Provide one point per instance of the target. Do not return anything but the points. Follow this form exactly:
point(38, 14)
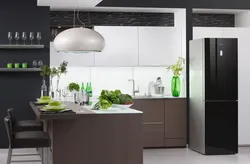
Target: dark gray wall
point(17, 89)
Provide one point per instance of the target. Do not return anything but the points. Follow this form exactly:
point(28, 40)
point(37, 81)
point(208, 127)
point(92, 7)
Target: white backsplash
point(112, 78)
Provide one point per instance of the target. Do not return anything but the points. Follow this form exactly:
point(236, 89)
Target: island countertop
point(92, 137)
point(77, 112)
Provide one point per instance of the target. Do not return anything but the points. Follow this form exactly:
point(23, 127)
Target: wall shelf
point(20, 70)
point(13, 46)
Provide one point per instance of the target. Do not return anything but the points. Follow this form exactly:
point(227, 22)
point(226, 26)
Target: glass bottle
point(82, 89)
point(51, 89)
point(176, 86)
point(44, 89)
point(87, 88)
point(90, 90)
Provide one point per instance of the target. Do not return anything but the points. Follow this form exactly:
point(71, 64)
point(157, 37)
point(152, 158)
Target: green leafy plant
point(45, 71)
point(107, 98)
point(74, 87)
point(62, 69)
point(178, 67)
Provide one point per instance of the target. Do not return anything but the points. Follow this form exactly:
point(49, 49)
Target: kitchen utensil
point(34, 63)
point(17, 37)
point(122, 106)
point(10, 37)
point(39, 37)
point(31, 37)
point(17, 65)
point(159, 90)
point(24, 37)
point(9, 65)
point(24, 65)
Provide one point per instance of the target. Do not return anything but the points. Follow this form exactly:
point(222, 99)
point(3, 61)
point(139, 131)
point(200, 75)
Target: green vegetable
point(96, 106)
point(105, 104)
point(125, 99)
point(74, 86)
point(54, 103)
point(107, 98)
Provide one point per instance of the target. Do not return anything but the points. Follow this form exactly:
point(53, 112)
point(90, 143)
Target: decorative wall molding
point(214, 20)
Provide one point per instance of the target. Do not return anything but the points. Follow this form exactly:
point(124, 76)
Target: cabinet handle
point(152, 123)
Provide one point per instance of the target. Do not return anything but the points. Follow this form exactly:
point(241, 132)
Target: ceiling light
point(79, 40)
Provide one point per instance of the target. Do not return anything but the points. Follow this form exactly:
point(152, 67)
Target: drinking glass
point(24, 37)
point(40, 63)
point(65, 93)
point(31, 37)
point(34, 63)
point(17, 37)
point(39, 37)
point(10, 37)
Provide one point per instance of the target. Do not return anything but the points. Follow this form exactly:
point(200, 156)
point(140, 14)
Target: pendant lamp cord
point(78, 14)
point(74, 20)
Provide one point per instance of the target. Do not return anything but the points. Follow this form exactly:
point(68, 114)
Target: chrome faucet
point(134, 91)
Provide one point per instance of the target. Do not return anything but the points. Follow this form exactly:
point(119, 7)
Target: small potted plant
point(74, 88)
point(176, 69)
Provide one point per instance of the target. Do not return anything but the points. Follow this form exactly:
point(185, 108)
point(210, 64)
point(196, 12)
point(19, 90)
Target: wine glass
point(17, 37)
point(31, 37)
point(24, 37)
point(65, 93)
point(34, 63)
point(39, 37)
point(40, 63)
point(10, 37)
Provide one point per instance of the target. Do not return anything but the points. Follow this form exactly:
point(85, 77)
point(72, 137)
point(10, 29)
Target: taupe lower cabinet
point(164, 122)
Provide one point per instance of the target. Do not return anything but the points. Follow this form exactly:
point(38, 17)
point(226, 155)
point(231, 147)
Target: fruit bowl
point(123, 106)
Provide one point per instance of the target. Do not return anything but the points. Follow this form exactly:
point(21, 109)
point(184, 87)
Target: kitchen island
point(88, 137)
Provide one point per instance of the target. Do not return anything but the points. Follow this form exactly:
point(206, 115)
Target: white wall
point(243, 35)
point(112, 78)
point(180, 22)
point(242, 19)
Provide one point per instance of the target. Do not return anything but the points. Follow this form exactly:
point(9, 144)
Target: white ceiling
point(89, 5)
point(68, 4)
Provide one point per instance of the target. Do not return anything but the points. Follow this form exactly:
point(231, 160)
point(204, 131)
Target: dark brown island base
point(89, 137)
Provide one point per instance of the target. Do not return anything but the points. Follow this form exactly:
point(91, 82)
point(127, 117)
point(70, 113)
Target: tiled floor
point(172, 156)
point(186, 156)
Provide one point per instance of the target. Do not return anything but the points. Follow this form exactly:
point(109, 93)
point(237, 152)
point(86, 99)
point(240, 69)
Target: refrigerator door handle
point(220, 100)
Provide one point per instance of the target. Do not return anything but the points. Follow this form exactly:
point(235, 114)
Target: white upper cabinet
point(121, 46)
point(73, 59)
point(159, 46)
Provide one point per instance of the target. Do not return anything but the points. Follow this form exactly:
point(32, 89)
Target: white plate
point(121, 106)
point(65, 110)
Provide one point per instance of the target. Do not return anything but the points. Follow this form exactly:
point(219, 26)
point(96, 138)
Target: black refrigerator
point(213, 65)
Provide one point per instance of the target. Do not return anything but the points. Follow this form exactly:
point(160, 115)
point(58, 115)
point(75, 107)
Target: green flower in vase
point(176, 83)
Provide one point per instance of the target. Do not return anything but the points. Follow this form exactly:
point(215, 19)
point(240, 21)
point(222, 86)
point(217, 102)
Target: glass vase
point(44, 89)
point(176, 86)
point(51, 89)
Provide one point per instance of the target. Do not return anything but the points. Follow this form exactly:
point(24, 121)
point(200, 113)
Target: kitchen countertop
point(157, 97)
point(79, 111)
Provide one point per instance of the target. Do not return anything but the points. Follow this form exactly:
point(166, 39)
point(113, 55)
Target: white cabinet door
point(159, 46)
point(121, 46)
point(73, 59)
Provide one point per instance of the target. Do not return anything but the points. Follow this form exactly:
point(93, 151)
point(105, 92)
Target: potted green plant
point(74, 88)
point(176, 69)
